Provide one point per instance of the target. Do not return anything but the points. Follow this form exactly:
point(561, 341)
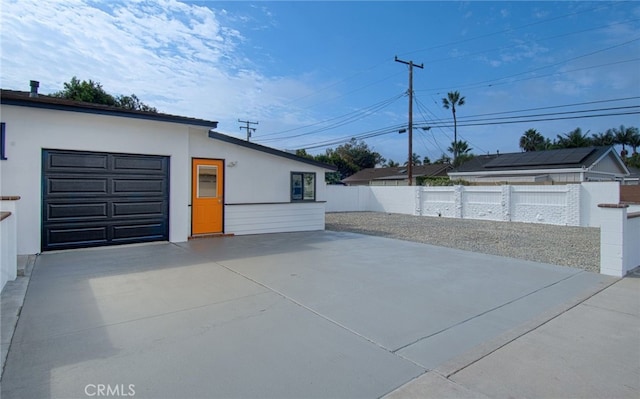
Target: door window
point(207, 181)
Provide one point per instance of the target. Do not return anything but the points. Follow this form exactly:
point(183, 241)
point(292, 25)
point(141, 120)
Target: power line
point(394, 129)
point(554, 107)
point(506, 119)
point(340, 121)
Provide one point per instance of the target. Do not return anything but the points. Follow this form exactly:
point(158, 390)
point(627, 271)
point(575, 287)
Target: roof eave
point(616, 156)
point(269, 150)
point(98, 109)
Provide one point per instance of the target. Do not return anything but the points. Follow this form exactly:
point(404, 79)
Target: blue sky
point(314, 74)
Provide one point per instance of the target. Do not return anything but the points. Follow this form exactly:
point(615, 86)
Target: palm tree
point(606, 139)
point(415, 160)
point(623, 136)
point(463, 150)
point(634, 141)
point(459, 147)
point(574, 139)
point(444, 158)
point(531, 140)
point(453, 98)
point(391, 164)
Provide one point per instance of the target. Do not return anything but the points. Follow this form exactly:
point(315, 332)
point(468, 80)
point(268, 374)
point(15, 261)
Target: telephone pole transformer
point(248, 128)
point(410, 130)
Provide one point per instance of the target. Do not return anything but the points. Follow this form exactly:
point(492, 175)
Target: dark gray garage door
point(94, 199)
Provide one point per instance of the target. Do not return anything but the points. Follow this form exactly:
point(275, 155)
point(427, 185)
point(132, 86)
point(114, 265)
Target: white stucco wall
point(257, 189)
point(253, 176)
point(30, 130)
point(401, 199)
point(619, 238)
point(257, 177)
point(594, 193)
point(347, 198)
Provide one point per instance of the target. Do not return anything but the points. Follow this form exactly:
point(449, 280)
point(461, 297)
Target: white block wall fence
point(567, 205)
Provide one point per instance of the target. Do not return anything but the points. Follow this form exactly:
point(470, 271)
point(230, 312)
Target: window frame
point(3, 138)
point(302, 175)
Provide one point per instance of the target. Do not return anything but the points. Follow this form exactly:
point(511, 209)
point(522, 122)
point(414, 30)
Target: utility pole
point(410, 160)
point(248, 128)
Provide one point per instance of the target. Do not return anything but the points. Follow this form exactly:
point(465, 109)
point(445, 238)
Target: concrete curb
point(11, 301)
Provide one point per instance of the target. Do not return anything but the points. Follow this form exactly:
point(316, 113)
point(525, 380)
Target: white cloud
point(179, 57)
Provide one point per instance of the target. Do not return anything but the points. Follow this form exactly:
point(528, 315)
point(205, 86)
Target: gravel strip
point(577, 247)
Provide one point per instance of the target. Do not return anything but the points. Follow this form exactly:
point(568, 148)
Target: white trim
point(620, 161)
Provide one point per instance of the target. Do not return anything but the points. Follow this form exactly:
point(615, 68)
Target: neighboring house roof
point(634, 173)
point(22, 98)
point(561, 159)
point(396, 173)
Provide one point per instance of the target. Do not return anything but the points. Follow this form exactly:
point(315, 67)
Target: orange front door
point(207, 196)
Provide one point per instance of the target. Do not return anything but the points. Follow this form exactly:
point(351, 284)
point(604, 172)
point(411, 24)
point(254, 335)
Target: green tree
point(531, 140)
point(349, 158)
point(623, 135)
point(452, 100)
point(444, 158)
point(391, 164)
point(463, 150)
point(415, 160)
point(133, 102)
point(93, 92)
point(426, 160)
point(574, 139)
point(86, 91)
point(634, 141)
point(303, 153)
point(459, 147)
point(633, 161)
point(603, 139)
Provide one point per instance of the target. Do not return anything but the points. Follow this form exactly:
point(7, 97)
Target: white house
point(568, 165)
point(92, 175)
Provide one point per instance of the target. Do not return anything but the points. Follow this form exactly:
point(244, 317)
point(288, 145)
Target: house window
point(303, 186)
point(207, 181)
point(3, 155)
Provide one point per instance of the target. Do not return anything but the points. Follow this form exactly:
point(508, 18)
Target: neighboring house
point(395, 176)
point(92, 175)
point(634, 176)
point(570, 165)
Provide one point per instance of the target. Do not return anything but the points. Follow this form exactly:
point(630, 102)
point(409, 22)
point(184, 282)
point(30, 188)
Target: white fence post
point(457, 197)
point(573, 205)
point(506, 203)
point(612, 232)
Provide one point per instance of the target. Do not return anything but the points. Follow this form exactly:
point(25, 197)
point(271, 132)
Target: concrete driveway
point(319, 314)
